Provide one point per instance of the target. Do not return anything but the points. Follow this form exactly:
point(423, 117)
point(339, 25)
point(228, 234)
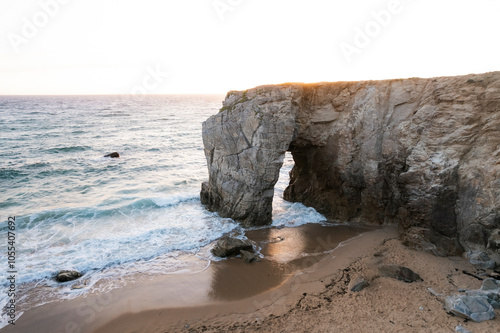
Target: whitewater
point(110, 217)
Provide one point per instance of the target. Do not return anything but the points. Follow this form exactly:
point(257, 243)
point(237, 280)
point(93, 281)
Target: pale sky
point(212, 46)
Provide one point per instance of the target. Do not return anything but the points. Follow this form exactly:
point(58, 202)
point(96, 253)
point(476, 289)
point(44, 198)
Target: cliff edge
point(421, 153)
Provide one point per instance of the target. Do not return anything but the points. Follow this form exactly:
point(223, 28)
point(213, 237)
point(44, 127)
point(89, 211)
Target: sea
point(108, 218)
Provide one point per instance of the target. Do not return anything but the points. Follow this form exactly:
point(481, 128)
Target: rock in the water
point(227, 246)
point(410, 152)
point(64, 276)
point(112, 155)
point(249, 257)
point(358, 283)
point(399, 272)
point(475, 308)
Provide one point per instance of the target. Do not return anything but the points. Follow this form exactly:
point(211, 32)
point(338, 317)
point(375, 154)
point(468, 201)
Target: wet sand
point(317, 298)
point(169, 302)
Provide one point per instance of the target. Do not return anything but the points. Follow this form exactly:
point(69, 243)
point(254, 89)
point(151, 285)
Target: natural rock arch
point(422, 153)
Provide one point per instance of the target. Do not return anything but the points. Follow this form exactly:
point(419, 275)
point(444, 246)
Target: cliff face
point(422, 153)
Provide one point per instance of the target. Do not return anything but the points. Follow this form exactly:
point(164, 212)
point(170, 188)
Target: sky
point(213, 46)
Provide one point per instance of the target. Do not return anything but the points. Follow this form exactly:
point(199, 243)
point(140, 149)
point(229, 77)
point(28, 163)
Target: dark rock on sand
point(227, 246)
point(112, 155)
point(358, 283)
point(249, 257)
point(64, 276)
point(398, 272)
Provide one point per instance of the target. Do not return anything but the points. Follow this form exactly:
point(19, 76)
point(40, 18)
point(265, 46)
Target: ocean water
point(109, 218)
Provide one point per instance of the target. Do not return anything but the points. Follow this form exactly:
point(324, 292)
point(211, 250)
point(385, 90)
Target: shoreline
point(286, 251)
point(276, 301)
point(308, 292)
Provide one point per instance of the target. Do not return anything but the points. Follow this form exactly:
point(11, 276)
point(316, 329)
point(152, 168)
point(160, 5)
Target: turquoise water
point(107, 218)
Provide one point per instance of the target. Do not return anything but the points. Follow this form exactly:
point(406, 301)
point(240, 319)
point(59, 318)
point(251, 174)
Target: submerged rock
point(112, 155)
point(64, 276)
point(399, 272)
point(475, 308)
point(227, 246)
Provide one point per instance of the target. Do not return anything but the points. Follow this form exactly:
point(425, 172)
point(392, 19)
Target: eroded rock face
point(422, 153)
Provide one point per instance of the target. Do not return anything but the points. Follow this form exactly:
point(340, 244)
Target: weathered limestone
point(423, 153)
point(245, 144)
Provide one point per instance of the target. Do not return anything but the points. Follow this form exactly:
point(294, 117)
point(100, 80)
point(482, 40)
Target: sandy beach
point(300, 285)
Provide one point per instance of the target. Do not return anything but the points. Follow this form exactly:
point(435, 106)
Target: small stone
point(399, 272)
point(277, 239)
point(433, 292)
point(358, 283)
point(461, 329)
point(78, 286)
point(112, 155)
point(475, 308)
point(249, 257)
point(64, 276)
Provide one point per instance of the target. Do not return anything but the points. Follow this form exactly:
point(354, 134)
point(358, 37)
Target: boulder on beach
point(112, 155)
point(64, 276)
point(399, 272)
point(490, 290)
point(227, 246)
point(474, 308)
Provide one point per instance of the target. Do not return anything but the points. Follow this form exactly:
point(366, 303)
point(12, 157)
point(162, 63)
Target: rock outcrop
point(422, 153)
point(112, 155)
